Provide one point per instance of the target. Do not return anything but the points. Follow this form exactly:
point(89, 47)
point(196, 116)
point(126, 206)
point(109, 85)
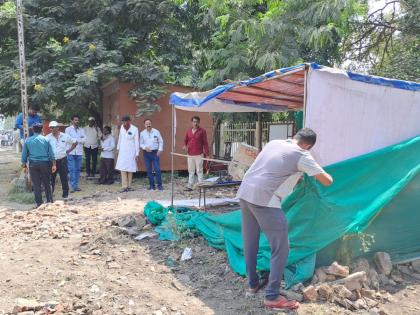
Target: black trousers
point(91, 154)
point(63, 171)
point(41, 175)
point(106, 171)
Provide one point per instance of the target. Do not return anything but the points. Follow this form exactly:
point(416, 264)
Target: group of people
point(273, 167)
point(62, 153)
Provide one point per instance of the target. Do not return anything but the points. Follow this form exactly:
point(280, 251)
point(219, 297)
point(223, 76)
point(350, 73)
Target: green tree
point(73, 47)
point(386, 41)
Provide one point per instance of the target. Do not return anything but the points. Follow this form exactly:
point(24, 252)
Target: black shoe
point(77, 189)
point(151, 188)
point(124, 190)
point(160, 188)
point(188, 189)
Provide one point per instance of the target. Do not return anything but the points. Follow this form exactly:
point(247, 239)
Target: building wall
point(116, 104)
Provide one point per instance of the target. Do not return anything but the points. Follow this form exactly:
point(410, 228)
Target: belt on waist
point(39, 162)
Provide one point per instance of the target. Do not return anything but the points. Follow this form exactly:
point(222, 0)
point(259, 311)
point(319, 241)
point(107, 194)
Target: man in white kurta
point(128, 152)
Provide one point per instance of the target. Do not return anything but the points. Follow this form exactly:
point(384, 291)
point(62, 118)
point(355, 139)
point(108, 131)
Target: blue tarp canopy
point(275, 91)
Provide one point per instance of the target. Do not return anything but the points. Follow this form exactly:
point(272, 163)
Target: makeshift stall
point(368, 140)
point(276, 91)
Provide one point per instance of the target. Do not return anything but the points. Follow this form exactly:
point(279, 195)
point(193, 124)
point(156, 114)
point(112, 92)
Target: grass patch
point(19, 196)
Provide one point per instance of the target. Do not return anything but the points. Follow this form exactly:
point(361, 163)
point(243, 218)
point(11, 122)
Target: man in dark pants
point(274, 165)
point(59, 142)
point(38, 151)
point(151, 143)
point(107, 157)
point(93, 135)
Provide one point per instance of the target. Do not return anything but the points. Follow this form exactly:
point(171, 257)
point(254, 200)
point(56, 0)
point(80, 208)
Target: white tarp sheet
point(195, 202)
point(353, 118)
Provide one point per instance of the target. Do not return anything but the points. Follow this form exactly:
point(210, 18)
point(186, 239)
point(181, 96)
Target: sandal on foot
point(261, 284)
point(282, 303)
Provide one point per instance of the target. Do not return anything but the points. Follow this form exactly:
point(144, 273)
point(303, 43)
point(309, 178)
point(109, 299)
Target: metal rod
point(305, 92)
point(259, 132)
point(211, 160)
point(22, 67)
point(172, 156)
point(203, 158)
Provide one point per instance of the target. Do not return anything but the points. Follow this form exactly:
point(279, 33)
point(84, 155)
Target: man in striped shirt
point(274, 165)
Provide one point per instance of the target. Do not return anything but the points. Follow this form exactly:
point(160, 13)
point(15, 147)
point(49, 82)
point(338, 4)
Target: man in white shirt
point(62, 145)
point(151, 143)
point(93, 135)
point(106, 169)
point(74, 157)
point(128, 152)
point(273, 166)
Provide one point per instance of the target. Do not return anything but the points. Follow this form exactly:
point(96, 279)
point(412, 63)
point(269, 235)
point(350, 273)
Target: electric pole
point(22, 67)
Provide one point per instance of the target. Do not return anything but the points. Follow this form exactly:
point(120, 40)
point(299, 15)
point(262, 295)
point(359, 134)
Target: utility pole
point(22, 66)
point(23, 87)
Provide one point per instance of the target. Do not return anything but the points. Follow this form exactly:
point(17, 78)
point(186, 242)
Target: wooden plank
point(290, 82)
point(250, 90)
point(282, 87)
point(245, 98)
point(294, 78)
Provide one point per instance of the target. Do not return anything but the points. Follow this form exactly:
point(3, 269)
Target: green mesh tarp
point(377, 187)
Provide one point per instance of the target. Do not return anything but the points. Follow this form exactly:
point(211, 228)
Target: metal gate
point(228, 136)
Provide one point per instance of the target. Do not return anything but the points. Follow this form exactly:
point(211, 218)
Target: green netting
point(318, 215)
point(298, 120)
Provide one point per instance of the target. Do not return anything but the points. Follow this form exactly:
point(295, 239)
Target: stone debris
point(321, 275)
point(146, 235)
point(383, 263)
point(23, 305)
point(358, 290)
point(325, 291)
point(337, 270)
point(416, 265)
point(343, 292)
point(354, 281)
point(310, 294)
point(32, 306)
point(361, 264)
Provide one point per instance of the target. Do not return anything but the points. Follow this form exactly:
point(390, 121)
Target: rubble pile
point(364, 288)
point(49, 221)
point(34, 307)
point(134, 226)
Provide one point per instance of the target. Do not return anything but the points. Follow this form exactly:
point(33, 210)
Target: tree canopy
point(74, 47)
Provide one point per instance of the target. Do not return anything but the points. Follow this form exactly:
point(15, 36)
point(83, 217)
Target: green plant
point(361, 240)
point(17, 195)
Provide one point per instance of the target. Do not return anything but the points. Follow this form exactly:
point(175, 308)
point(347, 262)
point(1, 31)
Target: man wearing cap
point(62, 145)
point(93, 136)
point(128, 152)
point(74, 157)
point(37, 150)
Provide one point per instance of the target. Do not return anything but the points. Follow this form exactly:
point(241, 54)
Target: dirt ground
point(71, 253)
